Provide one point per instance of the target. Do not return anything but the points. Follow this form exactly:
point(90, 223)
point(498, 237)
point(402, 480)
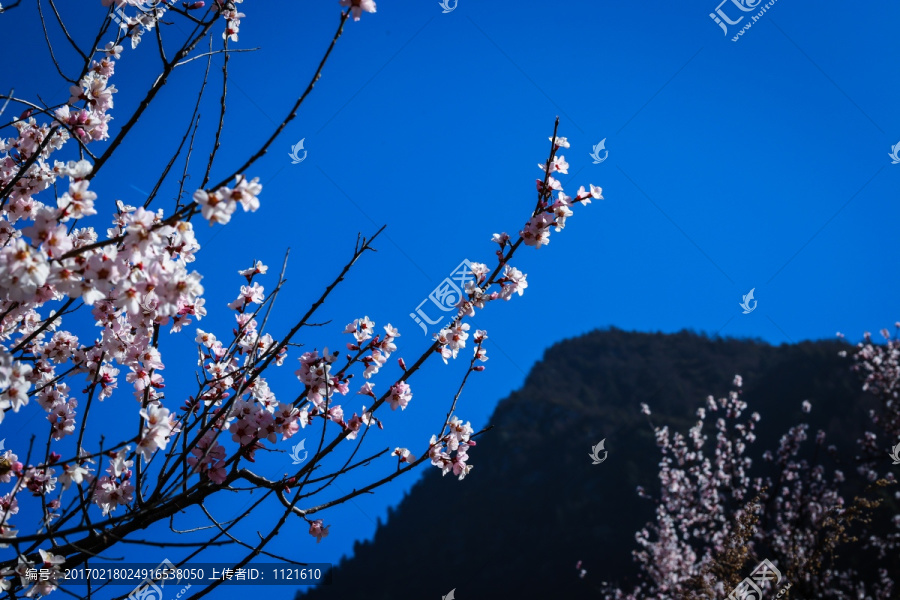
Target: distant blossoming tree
point(82, 311)
point(715, 522)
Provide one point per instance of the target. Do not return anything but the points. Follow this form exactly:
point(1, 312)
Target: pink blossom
point(400, 395)
point(357, 6)
point(318, 530)
point(404, 455)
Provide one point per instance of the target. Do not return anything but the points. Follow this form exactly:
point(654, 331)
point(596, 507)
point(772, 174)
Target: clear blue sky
point(761, 163)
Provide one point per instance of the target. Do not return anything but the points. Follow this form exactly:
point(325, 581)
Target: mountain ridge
point(535, 504)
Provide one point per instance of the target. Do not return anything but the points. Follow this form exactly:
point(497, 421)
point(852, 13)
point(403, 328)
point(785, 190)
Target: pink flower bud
point(402, 364)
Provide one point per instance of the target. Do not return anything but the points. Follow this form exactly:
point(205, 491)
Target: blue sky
point(761, 163)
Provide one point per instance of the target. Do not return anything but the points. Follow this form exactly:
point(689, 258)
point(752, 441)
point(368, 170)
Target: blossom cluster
point(705, 494)
point(554, 214)
point(457, 441)
point(115, 488)
point(549, 212)
point(217, 206)
point(879, 366)
point(135, 282)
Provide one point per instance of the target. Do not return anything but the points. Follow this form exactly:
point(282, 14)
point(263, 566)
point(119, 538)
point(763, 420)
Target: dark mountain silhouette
point(534, 504)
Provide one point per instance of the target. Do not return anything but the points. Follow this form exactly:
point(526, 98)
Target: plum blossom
point(40, 481)
point(400, 395)
point(250, 294)
point(458, 440)
point(207, 339)
point(159, 428)
point(208, 457)
point(74, 473)
point(23, 270)
point(404, 455)
point(361, 329)
point(706, 490)
point(288, 420)
point(9, 466)
point(595, 192)
point(111, 493)
point(357, 6)
point(318, 529)
point(62, 419)
point(451, 339)
point(218, 206)
point(232, 24)
point(51, 573)
point(513, 282)
point(131, 267)
point(258, 268)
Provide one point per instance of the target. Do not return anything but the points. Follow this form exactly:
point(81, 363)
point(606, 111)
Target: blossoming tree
point(715, 519)
point(82, 312)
